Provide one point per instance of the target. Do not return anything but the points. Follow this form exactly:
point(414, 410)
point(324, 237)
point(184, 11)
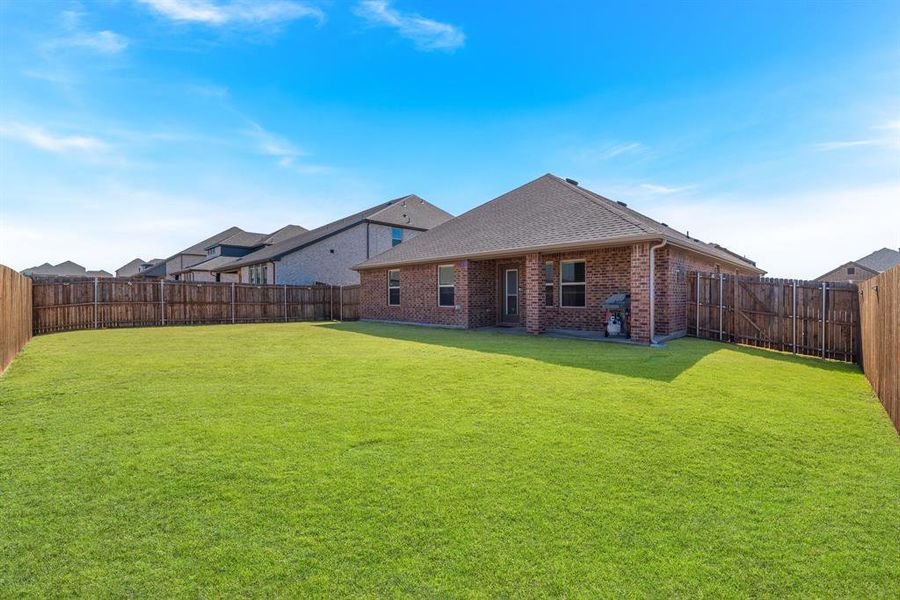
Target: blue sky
point(136, 128)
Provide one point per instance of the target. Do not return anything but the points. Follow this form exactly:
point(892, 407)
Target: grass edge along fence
point(68, 304)
point(803, 317)
point(880, 357)
point(15, 314)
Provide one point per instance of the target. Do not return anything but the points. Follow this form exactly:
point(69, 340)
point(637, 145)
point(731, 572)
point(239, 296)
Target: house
point(63, 269)
point(130, 268)
point(863, 268)
point(544, 256)
point(225, 251)
point(328, 253)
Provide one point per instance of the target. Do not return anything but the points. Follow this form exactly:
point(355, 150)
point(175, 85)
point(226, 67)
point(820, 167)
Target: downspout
point(653, 250)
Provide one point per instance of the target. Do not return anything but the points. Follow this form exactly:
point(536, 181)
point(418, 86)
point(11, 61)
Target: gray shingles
point(545, 213)
point(880, 260)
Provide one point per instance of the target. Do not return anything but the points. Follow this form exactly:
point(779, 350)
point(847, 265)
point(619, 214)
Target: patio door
point(509, 307)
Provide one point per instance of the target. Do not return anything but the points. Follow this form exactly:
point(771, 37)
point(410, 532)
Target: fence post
point(721, 304)
point(232, 303)
point(331, 302)
point(162, 301)
point(285, 303)
point(824, 292)
point(96, 285)
point(794, 316)
point(341, 302)
point(698, 303)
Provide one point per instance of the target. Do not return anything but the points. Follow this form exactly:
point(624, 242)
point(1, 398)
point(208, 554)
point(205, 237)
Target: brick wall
point(418, 296)
point(479, 297)
point(607, 271)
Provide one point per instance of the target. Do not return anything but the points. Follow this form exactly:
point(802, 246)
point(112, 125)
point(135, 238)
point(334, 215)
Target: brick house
point(544, 256)
point(863, 268)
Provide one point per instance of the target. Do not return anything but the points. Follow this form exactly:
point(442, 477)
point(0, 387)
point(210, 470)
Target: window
point(445, 286)
point(394, 287)
point(265, 275)
point(851, 270)
point(572, 283)
point(396, 236)
point(548, 283)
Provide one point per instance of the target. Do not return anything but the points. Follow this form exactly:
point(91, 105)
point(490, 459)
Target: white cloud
point(427, 34)
point(654, 188)
point(273, 145)
point(790, 235)
point(237, 12)
point(600, 152)
point(39, 138)
point(890, 140)
point(875, 142)
point(105, 42)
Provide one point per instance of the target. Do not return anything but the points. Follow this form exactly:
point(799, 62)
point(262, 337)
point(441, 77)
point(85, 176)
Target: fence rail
point(803, 317)
point(15, 314)
point(105, 303)
point(880, 317)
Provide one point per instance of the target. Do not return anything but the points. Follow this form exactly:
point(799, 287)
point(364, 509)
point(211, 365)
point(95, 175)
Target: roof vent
point(620, 203)
point(572, 181)
point(664, 224)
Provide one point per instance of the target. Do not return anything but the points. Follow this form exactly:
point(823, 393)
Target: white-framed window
point(393, 283)
point(548, 283)
point(572, 284)
point(446, 289)
point(396, 236)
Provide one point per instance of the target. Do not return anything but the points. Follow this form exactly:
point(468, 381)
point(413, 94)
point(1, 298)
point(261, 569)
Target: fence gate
point(803, 317)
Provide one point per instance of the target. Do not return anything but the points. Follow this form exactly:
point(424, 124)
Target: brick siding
point(479, 297)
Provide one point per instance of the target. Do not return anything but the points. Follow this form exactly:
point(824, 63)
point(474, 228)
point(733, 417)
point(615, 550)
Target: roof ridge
point(608, 204)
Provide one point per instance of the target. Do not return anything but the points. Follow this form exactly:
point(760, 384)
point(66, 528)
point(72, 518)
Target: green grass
point(375, 460)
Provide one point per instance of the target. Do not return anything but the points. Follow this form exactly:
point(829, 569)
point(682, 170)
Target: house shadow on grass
point(643, 362)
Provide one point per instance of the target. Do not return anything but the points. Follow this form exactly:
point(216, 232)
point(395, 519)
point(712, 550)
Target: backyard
point(358, 459)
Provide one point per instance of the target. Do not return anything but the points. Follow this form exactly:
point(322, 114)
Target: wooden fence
point(880, 317)
point(100, 303)
point(15, 314)
point(803, 317)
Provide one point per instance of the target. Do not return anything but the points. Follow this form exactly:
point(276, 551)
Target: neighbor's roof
point(207, 265)
point(200, 247)
point(880, 260)
point(548, 213)
point(392, 212)
point(241, 239)
point(158, 270)
point(137, 262)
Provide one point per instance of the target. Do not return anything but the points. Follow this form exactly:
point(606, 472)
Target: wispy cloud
point(587, 153)
point(273, 145)
point(891, 140)
point(654, 188)
point(285, 152)
point(248, 12)
point(39, 138)
point(427, 34)
point(105, 42)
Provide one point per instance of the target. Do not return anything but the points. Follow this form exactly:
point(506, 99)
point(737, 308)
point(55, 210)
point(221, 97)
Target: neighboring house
point(863, 268)
point(225, 251)
point(131, 268)
point(327, 254)
point(63, 269)
point(544, 256)
point(152, 269)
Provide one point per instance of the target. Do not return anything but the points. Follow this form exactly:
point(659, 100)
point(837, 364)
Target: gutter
point(586, 245)
point(653, 250)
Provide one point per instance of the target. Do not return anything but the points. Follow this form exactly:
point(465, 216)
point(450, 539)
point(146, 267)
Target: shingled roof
point(880, 260)
point(546, 214)
point(392, 212)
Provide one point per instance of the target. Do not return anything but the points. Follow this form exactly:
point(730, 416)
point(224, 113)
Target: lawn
point(373, 460)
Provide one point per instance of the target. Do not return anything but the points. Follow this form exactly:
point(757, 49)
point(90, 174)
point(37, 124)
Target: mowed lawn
point(373, 460)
